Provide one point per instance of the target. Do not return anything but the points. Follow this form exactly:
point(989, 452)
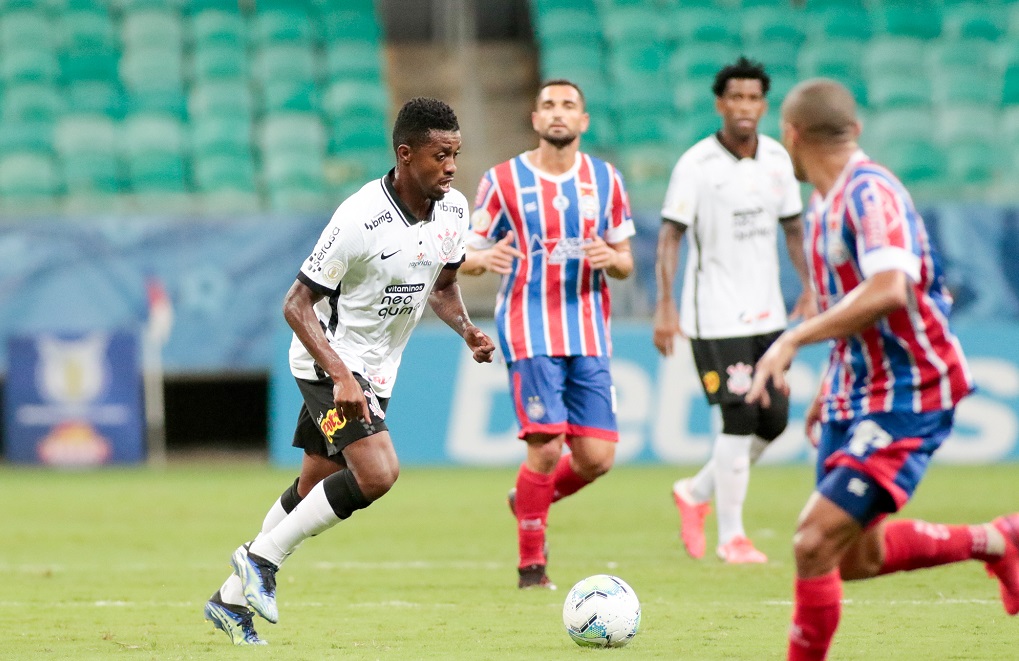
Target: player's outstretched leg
point(258, 576)
point(691, 518)
point(236, 621)
point(1006, 569)
point(532, 498)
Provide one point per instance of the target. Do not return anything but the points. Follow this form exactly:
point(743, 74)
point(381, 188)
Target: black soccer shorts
point(726, 365)
point(323, 430)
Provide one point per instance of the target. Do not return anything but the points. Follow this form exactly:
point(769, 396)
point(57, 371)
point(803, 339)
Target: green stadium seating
point(694, 94)
point(699, 62)
point(906, 20)
point(287, 95)
point(899, 124)
point(87, 30)
point(27, 178)
point(353, 169)
point(357, 132)
point(156, 172)
point(779, 57)
point(96, 96)
point(1010, 85)
point(230, 97)
point(542, 6)
point(26, 136)
point(702, 24)
point(780, 86)
point(152, 29)
point(281, 26)
point(28, 65)
point(893, 54)
point(973, 54)
point(772, 24)
point(89, 65)
point(25, 29)
point(151, 68)
point(353, 61)
point(637, 65)
point(963, 123)
point(569, 25)
point(915, 161)
point(895, 89)
point(578, 62)
point(92, 173)
point(833, 59)
point(347, 97)
point(838, 23)
point(215, 27)
point(976, 21)
point(961, 86)
point(292, 131)
point(147, 133)
point(219, 61)
point(689, 129)
point(217, 172)
point(77, 133)
point(348, 25)
point(629, 25)
point(221, 136)
point(32, 101)
point(971, 160)
point(286, 62)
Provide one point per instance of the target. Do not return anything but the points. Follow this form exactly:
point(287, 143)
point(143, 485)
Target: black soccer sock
point(290, 498)
point(343, 493)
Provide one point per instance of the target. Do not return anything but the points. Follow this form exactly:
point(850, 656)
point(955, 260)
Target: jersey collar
point(718, 138)
point(406, 214)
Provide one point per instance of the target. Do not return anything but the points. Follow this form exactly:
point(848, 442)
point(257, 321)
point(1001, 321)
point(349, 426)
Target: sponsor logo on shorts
point(711, 382)
point(331, 423)
point(740, 377)
point(535, 409)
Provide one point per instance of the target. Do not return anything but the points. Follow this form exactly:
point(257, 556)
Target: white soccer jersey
point(732, 208)
point(375, 264)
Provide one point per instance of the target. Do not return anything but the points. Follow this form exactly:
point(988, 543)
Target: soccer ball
point(601, 611)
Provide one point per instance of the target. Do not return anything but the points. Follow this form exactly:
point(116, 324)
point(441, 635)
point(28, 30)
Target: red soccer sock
point(534, 496)
point(913, 544)
point(565, 480)
point(815, 616)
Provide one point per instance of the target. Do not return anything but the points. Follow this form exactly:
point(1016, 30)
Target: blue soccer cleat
point(258, 577)
point(235, 621)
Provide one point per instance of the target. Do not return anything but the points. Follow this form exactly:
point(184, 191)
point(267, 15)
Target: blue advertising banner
point(446, 409)
point(73, 399)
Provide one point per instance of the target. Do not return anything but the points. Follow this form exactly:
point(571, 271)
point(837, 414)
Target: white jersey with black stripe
point(374, 265)
point(732, 208)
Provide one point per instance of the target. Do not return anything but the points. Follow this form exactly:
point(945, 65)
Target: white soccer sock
point(232, 591)
point(732, 476)
point(757, 446)
point(702, 485)
point(312, 515)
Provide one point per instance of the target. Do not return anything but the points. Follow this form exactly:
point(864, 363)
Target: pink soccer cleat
point(740, 551)
point(691, 518)
point(1006, 569)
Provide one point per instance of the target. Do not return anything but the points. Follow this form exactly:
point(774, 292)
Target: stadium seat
point(96, 96)
point(346, 97)
point(156, 172)
point(25, 29)
point(221, 135)
point(637, 65)
point(28, 65)
point(358, 132)
point(780, 86)
point(152, 29)
point(629, 25)
point(973, 54)
point(772, 24)
point(92, 173)
point(914, 161)
point(899, 124)
point(151, 68)
point(86, 30)
point(895, 89)
point(85, 133)
point(699, 62)
point(154, 133)
point(834, 58)
point(579, 62)
point(281, 26)
point(288, 62)
point(1010, 85)
point(601, 132)
point(967, 123)
point(292, 131)
point(693, 127)
point(976, 21)
point(971, 160)
point(78, 65)
point(285, 96)
point(216, 172)
point(702, 24)
point(215, 27)
point(906, 20)
point(220, 97)
point(29, 136)
point(356, 60)
point(694, 95)
point(342, 24)
point(779, 57)
point(219, 61)
point(960, 86)
point(342, 171)
point(887, 55)
point(32, 101)
point(568, 25)
point(27, 177)
point(838, 23)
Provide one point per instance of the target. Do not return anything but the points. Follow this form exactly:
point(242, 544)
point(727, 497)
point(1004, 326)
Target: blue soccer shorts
point(564, 394)
point(871, 465)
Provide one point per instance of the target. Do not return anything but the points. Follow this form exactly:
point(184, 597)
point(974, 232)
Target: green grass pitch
point(117, 564)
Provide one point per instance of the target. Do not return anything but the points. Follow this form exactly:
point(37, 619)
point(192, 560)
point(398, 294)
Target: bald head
point(822, 110)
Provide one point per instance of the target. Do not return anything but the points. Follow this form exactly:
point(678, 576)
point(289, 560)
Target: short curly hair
point(420, 116)
point(742, 69)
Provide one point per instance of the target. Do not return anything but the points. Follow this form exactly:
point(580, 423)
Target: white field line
point(417, 565)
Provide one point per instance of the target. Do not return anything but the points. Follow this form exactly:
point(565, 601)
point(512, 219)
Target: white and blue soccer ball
point(601, 611)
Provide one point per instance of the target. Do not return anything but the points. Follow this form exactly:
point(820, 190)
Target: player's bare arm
point(666, 321)
point(448, 305)
point(298, 310)
point(806, 304)
point(497, 259)
point(872, 300)
point(615, 258)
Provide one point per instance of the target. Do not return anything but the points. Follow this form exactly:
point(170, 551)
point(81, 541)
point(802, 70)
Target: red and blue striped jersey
point(553, 303)
point(909, 360)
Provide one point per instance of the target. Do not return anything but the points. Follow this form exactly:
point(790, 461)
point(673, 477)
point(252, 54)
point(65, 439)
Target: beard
point(560, 141)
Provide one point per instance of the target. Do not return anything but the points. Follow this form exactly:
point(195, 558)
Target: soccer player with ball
point(895, 376)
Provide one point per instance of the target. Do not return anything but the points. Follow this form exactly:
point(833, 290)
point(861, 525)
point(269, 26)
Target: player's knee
point(739, 419)
point(544, 450)
point(811, 550)
point(377, 483)
point(591, 468)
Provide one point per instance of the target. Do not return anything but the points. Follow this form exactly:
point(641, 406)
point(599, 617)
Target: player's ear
point(404, 154)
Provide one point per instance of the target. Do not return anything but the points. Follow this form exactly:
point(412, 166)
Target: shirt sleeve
point(620, 219)
point(883, 239)
point(340, 245)
point(680, 204)
point(485, 220)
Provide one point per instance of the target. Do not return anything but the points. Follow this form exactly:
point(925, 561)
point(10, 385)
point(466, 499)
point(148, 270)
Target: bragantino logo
point(331, 423)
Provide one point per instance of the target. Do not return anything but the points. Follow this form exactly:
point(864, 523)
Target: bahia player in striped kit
point(895, 376)
point(555, 223)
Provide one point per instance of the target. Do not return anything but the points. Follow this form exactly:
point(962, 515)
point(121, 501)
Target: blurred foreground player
point(895, 376)
point(555, 223)
point(388, 247)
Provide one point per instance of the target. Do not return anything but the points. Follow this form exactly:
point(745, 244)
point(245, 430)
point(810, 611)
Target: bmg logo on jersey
point(449, 208)
point(384, 217)
point(399, 299)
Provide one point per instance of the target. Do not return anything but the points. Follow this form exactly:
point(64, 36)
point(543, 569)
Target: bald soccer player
point(895, 375)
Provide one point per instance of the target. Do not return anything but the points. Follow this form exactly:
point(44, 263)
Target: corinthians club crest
point(446, 245)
